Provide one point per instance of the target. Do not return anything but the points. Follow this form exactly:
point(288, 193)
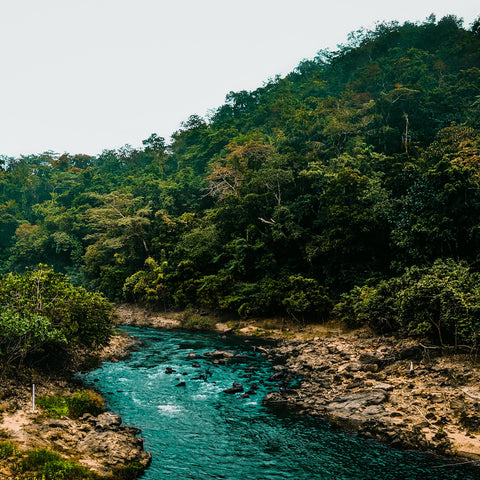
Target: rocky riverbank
point(394, 390)
point(99, 443)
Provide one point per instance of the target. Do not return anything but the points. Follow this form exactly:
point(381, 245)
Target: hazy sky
point(79, 76)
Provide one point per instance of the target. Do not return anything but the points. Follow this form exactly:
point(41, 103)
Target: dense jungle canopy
point(353, 181)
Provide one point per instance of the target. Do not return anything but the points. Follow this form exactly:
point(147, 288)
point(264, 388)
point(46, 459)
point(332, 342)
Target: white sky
point(79, 76)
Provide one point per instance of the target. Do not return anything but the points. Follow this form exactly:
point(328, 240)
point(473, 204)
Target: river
point(197, 431)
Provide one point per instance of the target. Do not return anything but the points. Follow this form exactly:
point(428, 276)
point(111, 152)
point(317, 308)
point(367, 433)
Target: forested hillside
point(353, 181)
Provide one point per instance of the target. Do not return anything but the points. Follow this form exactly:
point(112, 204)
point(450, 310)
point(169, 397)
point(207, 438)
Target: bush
point(73, 406)
point(147, 286)
point(7, 449)
point(130, 471)
point(85, 401)
point(301, 298)
point(41, 311)
point(305, 298)
point(211, 289)
point(55, 406)
point(38, 458)
point(22, 334)
point(51, 466)
point(375, 306)
point(195, 322)
point(441, 302)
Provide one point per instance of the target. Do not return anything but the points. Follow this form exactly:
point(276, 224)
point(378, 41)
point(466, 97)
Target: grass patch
point(7, 450)
point(199, 323)
point(44, 464)
point(193, 321)
point(73, 406)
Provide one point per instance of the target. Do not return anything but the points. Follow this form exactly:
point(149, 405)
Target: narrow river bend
point(197, 431)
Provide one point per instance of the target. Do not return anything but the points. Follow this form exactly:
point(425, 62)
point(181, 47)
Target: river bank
point(392, 390)
point(98, 443)
point(397, 391)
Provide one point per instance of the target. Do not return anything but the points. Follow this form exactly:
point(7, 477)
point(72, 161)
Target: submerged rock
point(236, 388)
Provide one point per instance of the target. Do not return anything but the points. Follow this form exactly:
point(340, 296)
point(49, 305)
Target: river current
point(196, 431)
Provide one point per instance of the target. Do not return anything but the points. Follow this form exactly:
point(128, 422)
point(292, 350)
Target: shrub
point(51, 466)
point(195, 322)
point(41, 311)
point(38, 458)
point(441, 302)
point(85, 401)
point(375, 306)
point(22, 334)
point(305, 298)
point(55, 406)
point(73, 406)
point(301, 298)
point(130, 471)
point(7, 449)
point(211, 289)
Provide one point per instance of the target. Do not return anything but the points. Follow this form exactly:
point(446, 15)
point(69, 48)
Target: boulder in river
point(236, 388)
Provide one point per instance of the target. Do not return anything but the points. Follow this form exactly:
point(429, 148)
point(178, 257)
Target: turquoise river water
point(197, 431)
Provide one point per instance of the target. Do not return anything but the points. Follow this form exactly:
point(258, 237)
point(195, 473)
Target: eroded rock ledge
point(384, 388)
point(99, 443)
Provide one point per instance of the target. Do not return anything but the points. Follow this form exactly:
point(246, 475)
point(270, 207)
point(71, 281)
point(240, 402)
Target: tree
point(148, 286)
point(42, 314)
point(440, 301)
point(118, 239)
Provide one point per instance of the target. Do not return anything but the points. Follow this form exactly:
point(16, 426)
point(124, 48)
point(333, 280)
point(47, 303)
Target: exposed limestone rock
point(98, 443)
point(364, 383)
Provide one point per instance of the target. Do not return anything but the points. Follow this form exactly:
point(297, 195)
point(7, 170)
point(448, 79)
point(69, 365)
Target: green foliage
point(46, 465)
point(440, 302)
point(128, 472)
point(23, 334)
point(361, 163)
point(7, 449)
point(147, 286)
point(196, 322)
point(85, 401)
point(306, 298)
point(303, 299)
point(37, 458)
point(41, 313)
point(55, 406)
point(375, 306)
point(73, 406)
